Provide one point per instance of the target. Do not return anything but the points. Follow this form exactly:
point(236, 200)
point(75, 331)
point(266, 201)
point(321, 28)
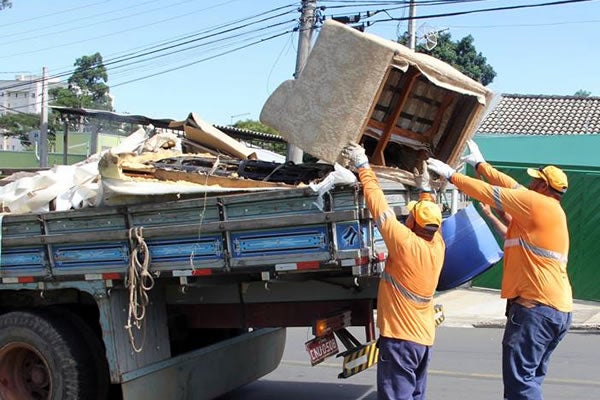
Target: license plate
point(321, 347)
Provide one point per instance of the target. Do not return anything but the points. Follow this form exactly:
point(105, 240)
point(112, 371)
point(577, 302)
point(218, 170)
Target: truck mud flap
point(208, 372)
point(362, 357)
point(438, 315)
point(359, 359)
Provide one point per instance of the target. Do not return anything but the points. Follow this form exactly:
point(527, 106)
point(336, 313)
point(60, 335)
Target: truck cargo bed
point(271, 232)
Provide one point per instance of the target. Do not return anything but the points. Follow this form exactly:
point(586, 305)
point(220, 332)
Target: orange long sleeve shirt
point(412, 270)
point(537, 240)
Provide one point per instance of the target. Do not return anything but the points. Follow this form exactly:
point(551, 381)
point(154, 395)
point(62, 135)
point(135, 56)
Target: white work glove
point(440, 168)
point(355, 154)
point(422, 179)
point(475, 157)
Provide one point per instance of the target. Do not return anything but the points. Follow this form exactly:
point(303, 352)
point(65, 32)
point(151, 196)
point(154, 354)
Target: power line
point(52, 14)
point(154, 52)
point(204, 59)
point(261, 40)
point(130, 56)
point(120, 9)
point(591, 21)
point(453, 14)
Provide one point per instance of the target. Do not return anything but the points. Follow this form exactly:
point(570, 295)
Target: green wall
point(27, 159)
point(78, 151)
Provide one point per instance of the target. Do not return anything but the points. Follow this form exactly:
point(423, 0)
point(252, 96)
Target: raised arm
point(492, 175)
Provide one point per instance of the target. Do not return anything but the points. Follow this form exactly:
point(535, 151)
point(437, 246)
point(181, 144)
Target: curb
point(591, 328)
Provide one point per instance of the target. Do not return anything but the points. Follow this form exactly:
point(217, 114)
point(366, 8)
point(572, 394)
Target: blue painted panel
point(348, 237)
point(280, 241)
point(91, 255)
point(206, 248)
point(21, 261)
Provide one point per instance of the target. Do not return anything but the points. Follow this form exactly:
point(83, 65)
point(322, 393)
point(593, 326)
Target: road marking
point(439, 372)
point(499, 377)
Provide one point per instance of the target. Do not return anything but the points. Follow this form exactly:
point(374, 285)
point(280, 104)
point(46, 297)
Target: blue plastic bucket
point(471, 248)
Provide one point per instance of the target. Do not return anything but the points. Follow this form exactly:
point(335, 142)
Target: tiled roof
point(517, 114)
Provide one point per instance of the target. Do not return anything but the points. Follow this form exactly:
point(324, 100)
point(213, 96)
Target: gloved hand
point(355, 154)
point(422, 179)
point(475, 157)
point(440, 168)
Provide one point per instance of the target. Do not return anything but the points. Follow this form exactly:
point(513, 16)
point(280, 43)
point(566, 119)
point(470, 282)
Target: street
point(466, 364)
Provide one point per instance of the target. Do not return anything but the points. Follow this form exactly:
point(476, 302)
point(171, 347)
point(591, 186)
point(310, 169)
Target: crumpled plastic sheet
point(339, 176)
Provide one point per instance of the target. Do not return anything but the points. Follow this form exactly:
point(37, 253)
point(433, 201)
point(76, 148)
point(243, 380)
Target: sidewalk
point(483, 308)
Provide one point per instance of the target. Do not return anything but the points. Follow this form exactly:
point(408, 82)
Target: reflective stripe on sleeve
point(496, 196)
point(538, 251)
point(389, 213)
point(404, 291)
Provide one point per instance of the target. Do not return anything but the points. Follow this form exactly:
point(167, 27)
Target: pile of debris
point(156, 164)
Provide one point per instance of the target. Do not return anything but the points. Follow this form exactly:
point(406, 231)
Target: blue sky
point(548, 50)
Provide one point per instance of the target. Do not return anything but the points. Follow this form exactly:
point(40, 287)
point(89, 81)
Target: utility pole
point(43, 139)
point(307, 24)
point(411, 24)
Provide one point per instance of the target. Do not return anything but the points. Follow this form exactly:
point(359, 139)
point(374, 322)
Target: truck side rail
point(272, 232)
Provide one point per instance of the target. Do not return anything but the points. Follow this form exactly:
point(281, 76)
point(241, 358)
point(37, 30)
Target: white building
point(23, 94)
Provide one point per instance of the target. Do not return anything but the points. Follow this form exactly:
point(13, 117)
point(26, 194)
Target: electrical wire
point(201, 60)
point(128, 57)
point(260, 40)
point(120, 9)
point(506, 8)
point(53, 14)
point(152, 53)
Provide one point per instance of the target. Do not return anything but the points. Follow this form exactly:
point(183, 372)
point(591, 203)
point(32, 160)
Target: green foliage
point(461, 54)
point(17, 124)
point(90, 77)
point(257, 126)
point(87, 86)
point(20, 125)
point(583, 93)
point(5, 4)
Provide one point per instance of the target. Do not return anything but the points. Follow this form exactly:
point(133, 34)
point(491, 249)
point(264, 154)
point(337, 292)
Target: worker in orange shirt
point(405, 309)
point(535, 279)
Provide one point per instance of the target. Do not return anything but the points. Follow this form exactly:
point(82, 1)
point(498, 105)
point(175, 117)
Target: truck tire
point(95, 352)
point(42, 356)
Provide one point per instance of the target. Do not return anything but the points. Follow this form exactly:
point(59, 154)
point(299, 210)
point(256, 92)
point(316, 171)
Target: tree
point(257, 126)
point(87, 86)
point(5, 4)
point(20, 125)
point(583, 93)
point(461, 54)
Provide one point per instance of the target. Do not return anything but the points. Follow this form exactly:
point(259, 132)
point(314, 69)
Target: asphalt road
point(466, 364)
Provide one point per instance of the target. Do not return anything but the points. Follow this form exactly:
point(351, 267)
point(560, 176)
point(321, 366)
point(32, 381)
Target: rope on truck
point(139, 281)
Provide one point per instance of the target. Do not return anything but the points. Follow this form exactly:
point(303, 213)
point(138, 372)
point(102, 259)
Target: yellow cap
point(554, 176)
point(425, 212)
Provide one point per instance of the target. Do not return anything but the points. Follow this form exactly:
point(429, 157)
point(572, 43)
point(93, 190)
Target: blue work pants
point(402, 369)
point(530, 337)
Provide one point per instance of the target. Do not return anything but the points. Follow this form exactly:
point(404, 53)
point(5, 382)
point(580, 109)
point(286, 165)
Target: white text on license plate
point(321, 347)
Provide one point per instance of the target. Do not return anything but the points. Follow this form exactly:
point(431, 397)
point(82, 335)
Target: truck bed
point(259, 235)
